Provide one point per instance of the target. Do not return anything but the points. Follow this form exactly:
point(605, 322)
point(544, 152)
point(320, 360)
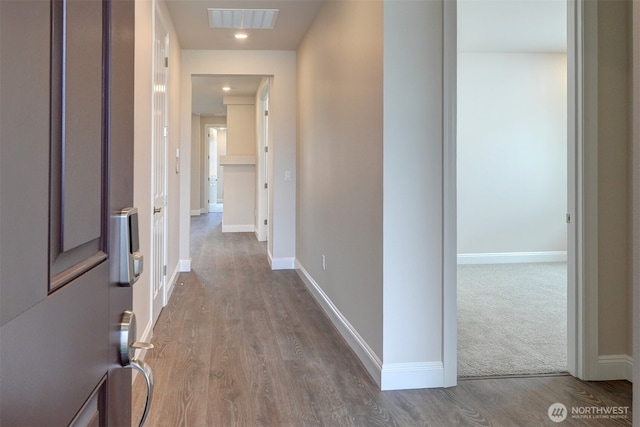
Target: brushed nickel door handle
point(147, 373)
point(127, 348)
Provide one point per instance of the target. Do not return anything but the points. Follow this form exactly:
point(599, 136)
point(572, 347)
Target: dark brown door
point(66, 150)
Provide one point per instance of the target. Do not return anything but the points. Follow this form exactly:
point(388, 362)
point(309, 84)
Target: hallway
point(241, 345)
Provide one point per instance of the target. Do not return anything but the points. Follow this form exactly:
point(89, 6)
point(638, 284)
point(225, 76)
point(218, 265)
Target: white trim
point(614, 367)
point(195, 212)
point(367, 356)
point(172, 281)
point(185, 265)
point(405, 376)
point(204, 210)
point(145, 337)
point(513, 257)
point(449, 366)
point(240, 228)
point(281, 263)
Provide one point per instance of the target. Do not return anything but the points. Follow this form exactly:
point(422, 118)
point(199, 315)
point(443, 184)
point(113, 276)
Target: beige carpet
point(512, 319)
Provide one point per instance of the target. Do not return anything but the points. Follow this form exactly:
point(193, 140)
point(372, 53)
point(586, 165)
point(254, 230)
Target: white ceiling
point(512, 25)
point(191, 21)
point(483, 25)
point(207, 92)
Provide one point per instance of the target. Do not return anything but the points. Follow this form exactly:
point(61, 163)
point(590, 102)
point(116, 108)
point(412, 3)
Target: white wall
point(240, 182)
point(282, 66)
point(241, 126)
point(142, 189)
point(512, 152)
point(239, 198)
point(413, 195)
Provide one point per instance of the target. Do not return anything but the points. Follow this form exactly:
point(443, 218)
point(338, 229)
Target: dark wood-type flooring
point(241, 345)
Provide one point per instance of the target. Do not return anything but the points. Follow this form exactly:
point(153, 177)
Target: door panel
point(66, 149)
point(52, 356)
point(82, 153)
point(23, 28)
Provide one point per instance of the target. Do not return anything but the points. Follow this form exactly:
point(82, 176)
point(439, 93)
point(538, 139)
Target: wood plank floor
point(241, 345)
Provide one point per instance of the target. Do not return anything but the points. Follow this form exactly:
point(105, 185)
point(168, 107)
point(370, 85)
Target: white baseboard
point(195, 212)
point(185, 265)
point(369, 359)
point(614, 367)
point(512, 257)
point(281, 263)
point(404, 376)
point(146, 336)
point(172, 281)
point(241, 228)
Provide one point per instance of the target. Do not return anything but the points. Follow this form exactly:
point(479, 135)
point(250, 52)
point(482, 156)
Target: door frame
point(262, 169)
point(582, 296)
point(207, 175)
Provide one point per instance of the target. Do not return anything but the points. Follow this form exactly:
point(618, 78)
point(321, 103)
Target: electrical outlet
point(324, 262)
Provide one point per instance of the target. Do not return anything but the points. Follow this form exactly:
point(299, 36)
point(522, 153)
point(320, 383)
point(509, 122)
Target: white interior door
point(213, 170)
point(160, 133)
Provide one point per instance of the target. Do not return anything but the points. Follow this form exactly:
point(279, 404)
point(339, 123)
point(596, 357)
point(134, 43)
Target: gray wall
point(339, 161)
point(614, 124)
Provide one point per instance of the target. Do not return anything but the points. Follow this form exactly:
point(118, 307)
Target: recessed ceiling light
point(226, 88)
point(241, 36)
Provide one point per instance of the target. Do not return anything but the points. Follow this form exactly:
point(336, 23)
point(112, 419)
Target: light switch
point(287, 175)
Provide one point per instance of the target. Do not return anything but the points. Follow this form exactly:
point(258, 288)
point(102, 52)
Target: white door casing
point(212, 169)
point(582, 315)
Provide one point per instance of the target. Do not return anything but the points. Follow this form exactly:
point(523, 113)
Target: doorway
point(512, 188)
point(216, 147)
point(233, 109)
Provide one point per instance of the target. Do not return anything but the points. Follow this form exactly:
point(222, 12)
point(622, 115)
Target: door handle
point(157, 210)
point(147, 373)
point(127, 347)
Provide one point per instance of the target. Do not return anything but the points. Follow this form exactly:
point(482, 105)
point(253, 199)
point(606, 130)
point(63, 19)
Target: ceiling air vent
point(243, 19)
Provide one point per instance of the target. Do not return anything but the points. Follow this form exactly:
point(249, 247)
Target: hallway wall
point(370, 191)
point(144, 16)
point(339, 190)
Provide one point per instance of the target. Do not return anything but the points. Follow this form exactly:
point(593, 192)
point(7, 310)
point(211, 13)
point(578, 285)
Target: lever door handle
point(128, 347)
point(157, 210)
point(146, 372)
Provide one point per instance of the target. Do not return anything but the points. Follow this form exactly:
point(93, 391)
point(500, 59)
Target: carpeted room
point(512, 200)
